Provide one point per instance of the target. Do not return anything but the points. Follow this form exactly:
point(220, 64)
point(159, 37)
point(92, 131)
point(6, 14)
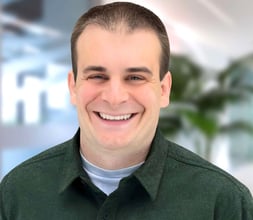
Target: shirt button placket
point(106, 216)
point(108, 209)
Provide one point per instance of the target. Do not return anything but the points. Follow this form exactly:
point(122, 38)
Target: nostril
point(115, 97)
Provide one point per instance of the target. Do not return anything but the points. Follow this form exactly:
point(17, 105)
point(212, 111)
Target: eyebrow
point(139, 69)
point(94, 68)
point(128, 70)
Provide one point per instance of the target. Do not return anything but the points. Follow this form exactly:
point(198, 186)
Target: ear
point(166, 84)
point(72, 87)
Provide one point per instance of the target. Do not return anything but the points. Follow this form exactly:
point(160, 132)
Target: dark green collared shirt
point(172, 184)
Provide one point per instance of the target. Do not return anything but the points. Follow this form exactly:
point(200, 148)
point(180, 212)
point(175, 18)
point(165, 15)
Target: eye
point(98, 77)
point(135, 78)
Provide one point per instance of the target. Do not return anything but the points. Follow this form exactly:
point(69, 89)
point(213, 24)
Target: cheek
point(85, 94)
point(149, 97)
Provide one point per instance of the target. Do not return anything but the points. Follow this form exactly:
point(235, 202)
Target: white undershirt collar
point(106, 180)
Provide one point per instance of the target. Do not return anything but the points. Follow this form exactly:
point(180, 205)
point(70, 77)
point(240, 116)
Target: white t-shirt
point(107, 180)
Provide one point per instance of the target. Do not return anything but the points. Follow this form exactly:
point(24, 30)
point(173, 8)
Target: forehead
point(119, 49)
point(120, 34)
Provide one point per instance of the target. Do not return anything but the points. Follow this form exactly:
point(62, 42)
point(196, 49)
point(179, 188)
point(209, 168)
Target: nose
point(115, 92)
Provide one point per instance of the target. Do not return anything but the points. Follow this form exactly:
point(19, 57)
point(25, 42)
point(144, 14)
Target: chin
point(114, 144)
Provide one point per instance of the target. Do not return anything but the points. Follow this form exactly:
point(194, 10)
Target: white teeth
point(114, 118)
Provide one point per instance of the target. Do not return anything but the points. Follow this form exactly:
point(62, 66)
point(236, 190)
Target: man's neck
point(112, 160)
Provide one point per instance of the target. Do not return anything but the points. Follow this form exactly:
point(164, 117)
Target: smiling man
point(118, 93)
point(118, 165)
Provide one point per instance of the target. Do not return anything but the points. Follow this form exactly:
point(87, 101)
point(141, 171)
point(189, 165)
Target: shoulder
point(190, 181)
point(34, 182)
point(197, 170)
point(45, 162)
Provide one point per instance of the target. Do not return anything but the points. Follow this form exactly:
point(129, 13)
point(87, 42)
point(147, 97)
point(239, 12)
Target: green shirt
point(173, 184)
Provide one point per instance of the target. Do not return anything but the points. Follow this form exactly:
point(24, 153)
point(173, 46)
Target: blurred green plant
point(200, 98)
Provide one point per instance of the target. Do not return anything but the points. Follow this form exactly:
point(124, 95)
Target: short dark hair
point(132, 16)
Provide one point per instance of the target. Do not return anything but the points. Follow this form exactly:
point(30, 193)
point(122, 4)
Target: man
point(118, 165)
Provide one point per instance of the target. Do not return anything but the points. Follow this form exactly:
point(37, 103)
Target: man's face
point(118, 93)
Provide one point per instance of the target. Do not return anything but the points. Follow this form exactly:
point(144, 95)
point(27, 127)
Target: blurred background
point(211, 64)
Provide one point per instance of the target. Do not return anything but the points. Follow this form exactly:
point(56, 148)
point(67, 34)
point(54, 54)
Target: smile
point(114, 117)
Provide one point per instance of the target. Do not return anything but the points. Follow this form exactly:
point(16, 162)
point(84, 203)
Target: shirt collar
point(150, 174)
point(72, 165)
